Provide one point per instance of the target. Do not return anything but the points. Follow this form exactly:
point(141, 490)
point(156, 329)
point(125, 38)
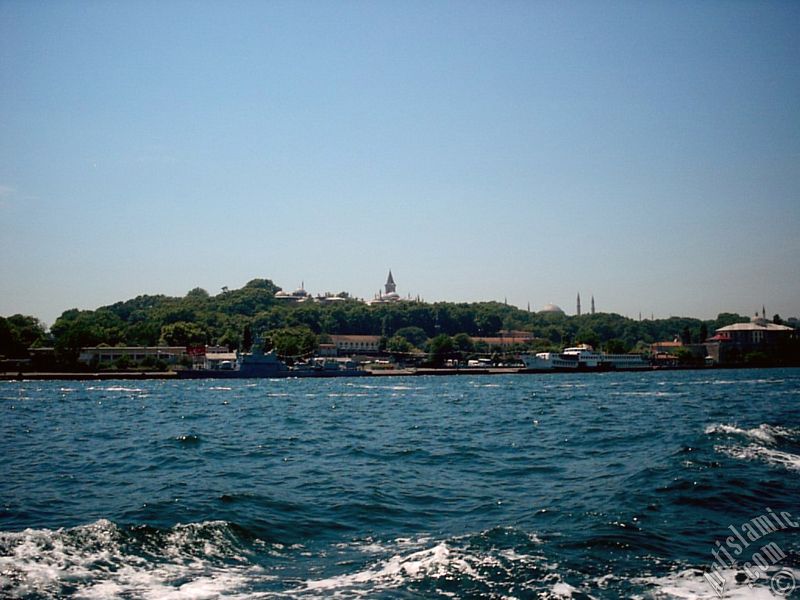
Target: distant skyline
point(646, 154)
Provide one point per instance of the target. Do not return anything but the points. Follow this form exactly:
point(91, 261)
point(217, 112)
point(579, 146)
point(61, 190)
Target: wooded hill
point(232, 317)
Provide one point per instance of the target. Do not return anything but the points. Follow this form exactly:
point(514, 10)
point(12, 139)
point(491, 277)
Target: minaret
point(390, 286)
point(592, 303)
point(579, 304)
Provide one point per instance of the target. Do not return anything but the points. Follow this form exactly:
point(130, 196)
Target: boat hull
point(583, 358)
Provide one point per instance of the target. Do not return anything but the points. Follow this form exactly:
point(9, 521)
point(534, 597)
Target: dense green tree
point(463, 343)
point(488, 323)
point(74, 330)
point(440, 349)
point(399, 345)
point(18, 333)
point(197, 294)
point(9, 345)
point(725, 319)
point(415, 336)
point(291, 343)
point(615, 346)
point(586, 335)
point(182, 334)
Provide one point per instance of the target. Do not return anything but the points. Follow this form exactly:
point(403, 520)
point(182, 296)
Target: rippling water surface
point(582, 485)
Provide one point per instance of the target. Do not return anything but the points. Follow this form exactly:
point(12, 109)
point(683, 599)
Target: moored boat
point(260, 364)
point(328, 367)
point(256, 364)
point(582, 357)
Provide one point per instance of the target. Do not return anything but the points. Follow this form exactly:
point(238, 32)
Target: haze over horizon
point(644, 153)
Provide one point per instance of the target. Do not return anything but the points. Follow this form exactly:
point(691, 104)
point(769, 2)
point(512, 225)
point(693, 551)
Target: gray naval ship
point(260, 364)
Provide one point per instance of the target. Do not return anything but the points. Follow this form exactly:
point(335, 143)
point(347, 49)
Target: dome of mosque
point(551, 308)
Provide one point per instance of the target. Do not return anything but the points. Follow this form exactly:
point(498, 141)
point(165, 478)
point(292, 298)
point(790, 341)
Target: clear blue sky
point(646, 153)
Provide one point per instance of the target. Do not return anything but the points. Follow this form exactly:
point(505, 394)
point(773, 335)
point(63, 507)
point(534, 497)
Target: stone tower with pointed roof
point(390, 286)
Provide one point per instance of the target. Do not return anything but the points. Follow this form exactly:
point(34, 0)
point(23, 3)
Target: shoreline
point(416, 372)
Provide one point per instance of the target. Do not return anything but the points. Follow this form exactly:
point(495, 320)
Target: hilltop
point(232, 317)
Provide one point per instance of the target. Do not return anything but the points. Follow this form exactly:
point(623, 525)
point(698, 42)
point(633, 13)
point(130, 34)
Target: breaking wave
point(769, 443)
point(103, 560)
point(489, 564)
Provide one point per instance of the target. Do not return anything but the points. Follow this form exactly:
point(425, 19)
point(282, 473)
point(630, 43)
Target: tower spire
point(390, 286)
point(579, 304)
point(592, 303)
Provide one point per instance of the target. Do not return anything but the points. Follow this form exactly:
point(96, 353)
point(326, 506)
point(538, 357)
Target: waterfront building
point(219, 357)
point(666, 347)
point(672, 353)
point(506, 338)
point(760, 337)
point(327, 350)
point(356, 344)
point(108, 354)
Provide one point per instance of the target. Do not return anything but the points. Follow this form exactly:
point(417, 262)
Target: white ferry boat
point(582, 357)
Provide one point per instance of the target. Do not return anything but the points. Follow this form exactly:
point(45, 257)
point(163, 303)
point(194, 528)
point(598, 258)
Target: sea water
point(594, 485)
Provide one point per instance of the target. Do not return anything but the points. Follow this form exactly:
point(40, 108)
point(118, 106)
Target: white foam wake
point(95, 561)
point(755, 452)
point(690, 584)
point(764, 433)
point(445, 561)
point(763, 441)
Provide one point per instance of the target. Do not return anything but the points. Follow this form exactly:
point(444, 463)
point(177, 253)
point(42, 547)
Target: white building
point(299, 295)
point(108, 354)
point(356, 344)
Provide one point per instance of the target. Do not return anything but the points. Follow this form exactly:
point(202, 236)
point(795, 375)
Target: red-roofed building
point(767, 340)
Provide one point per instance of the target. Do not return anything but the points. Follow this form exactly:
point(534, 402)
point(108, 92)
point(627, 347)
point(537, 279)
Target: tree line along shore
point(234, 318)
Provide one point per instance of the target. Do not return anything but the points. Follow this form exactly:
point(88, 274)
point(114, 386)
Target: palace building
point(733, 343)
point(389, 294)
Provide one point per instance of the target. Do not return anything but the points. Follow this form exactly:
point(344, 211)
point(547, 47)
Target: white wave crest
point(436, 561)
point(755, 452)
point(767, 434)
point(446, 560)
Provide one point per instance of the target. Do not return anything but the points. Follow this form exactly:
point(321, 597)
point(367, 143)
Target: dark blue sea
point(612, 485)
